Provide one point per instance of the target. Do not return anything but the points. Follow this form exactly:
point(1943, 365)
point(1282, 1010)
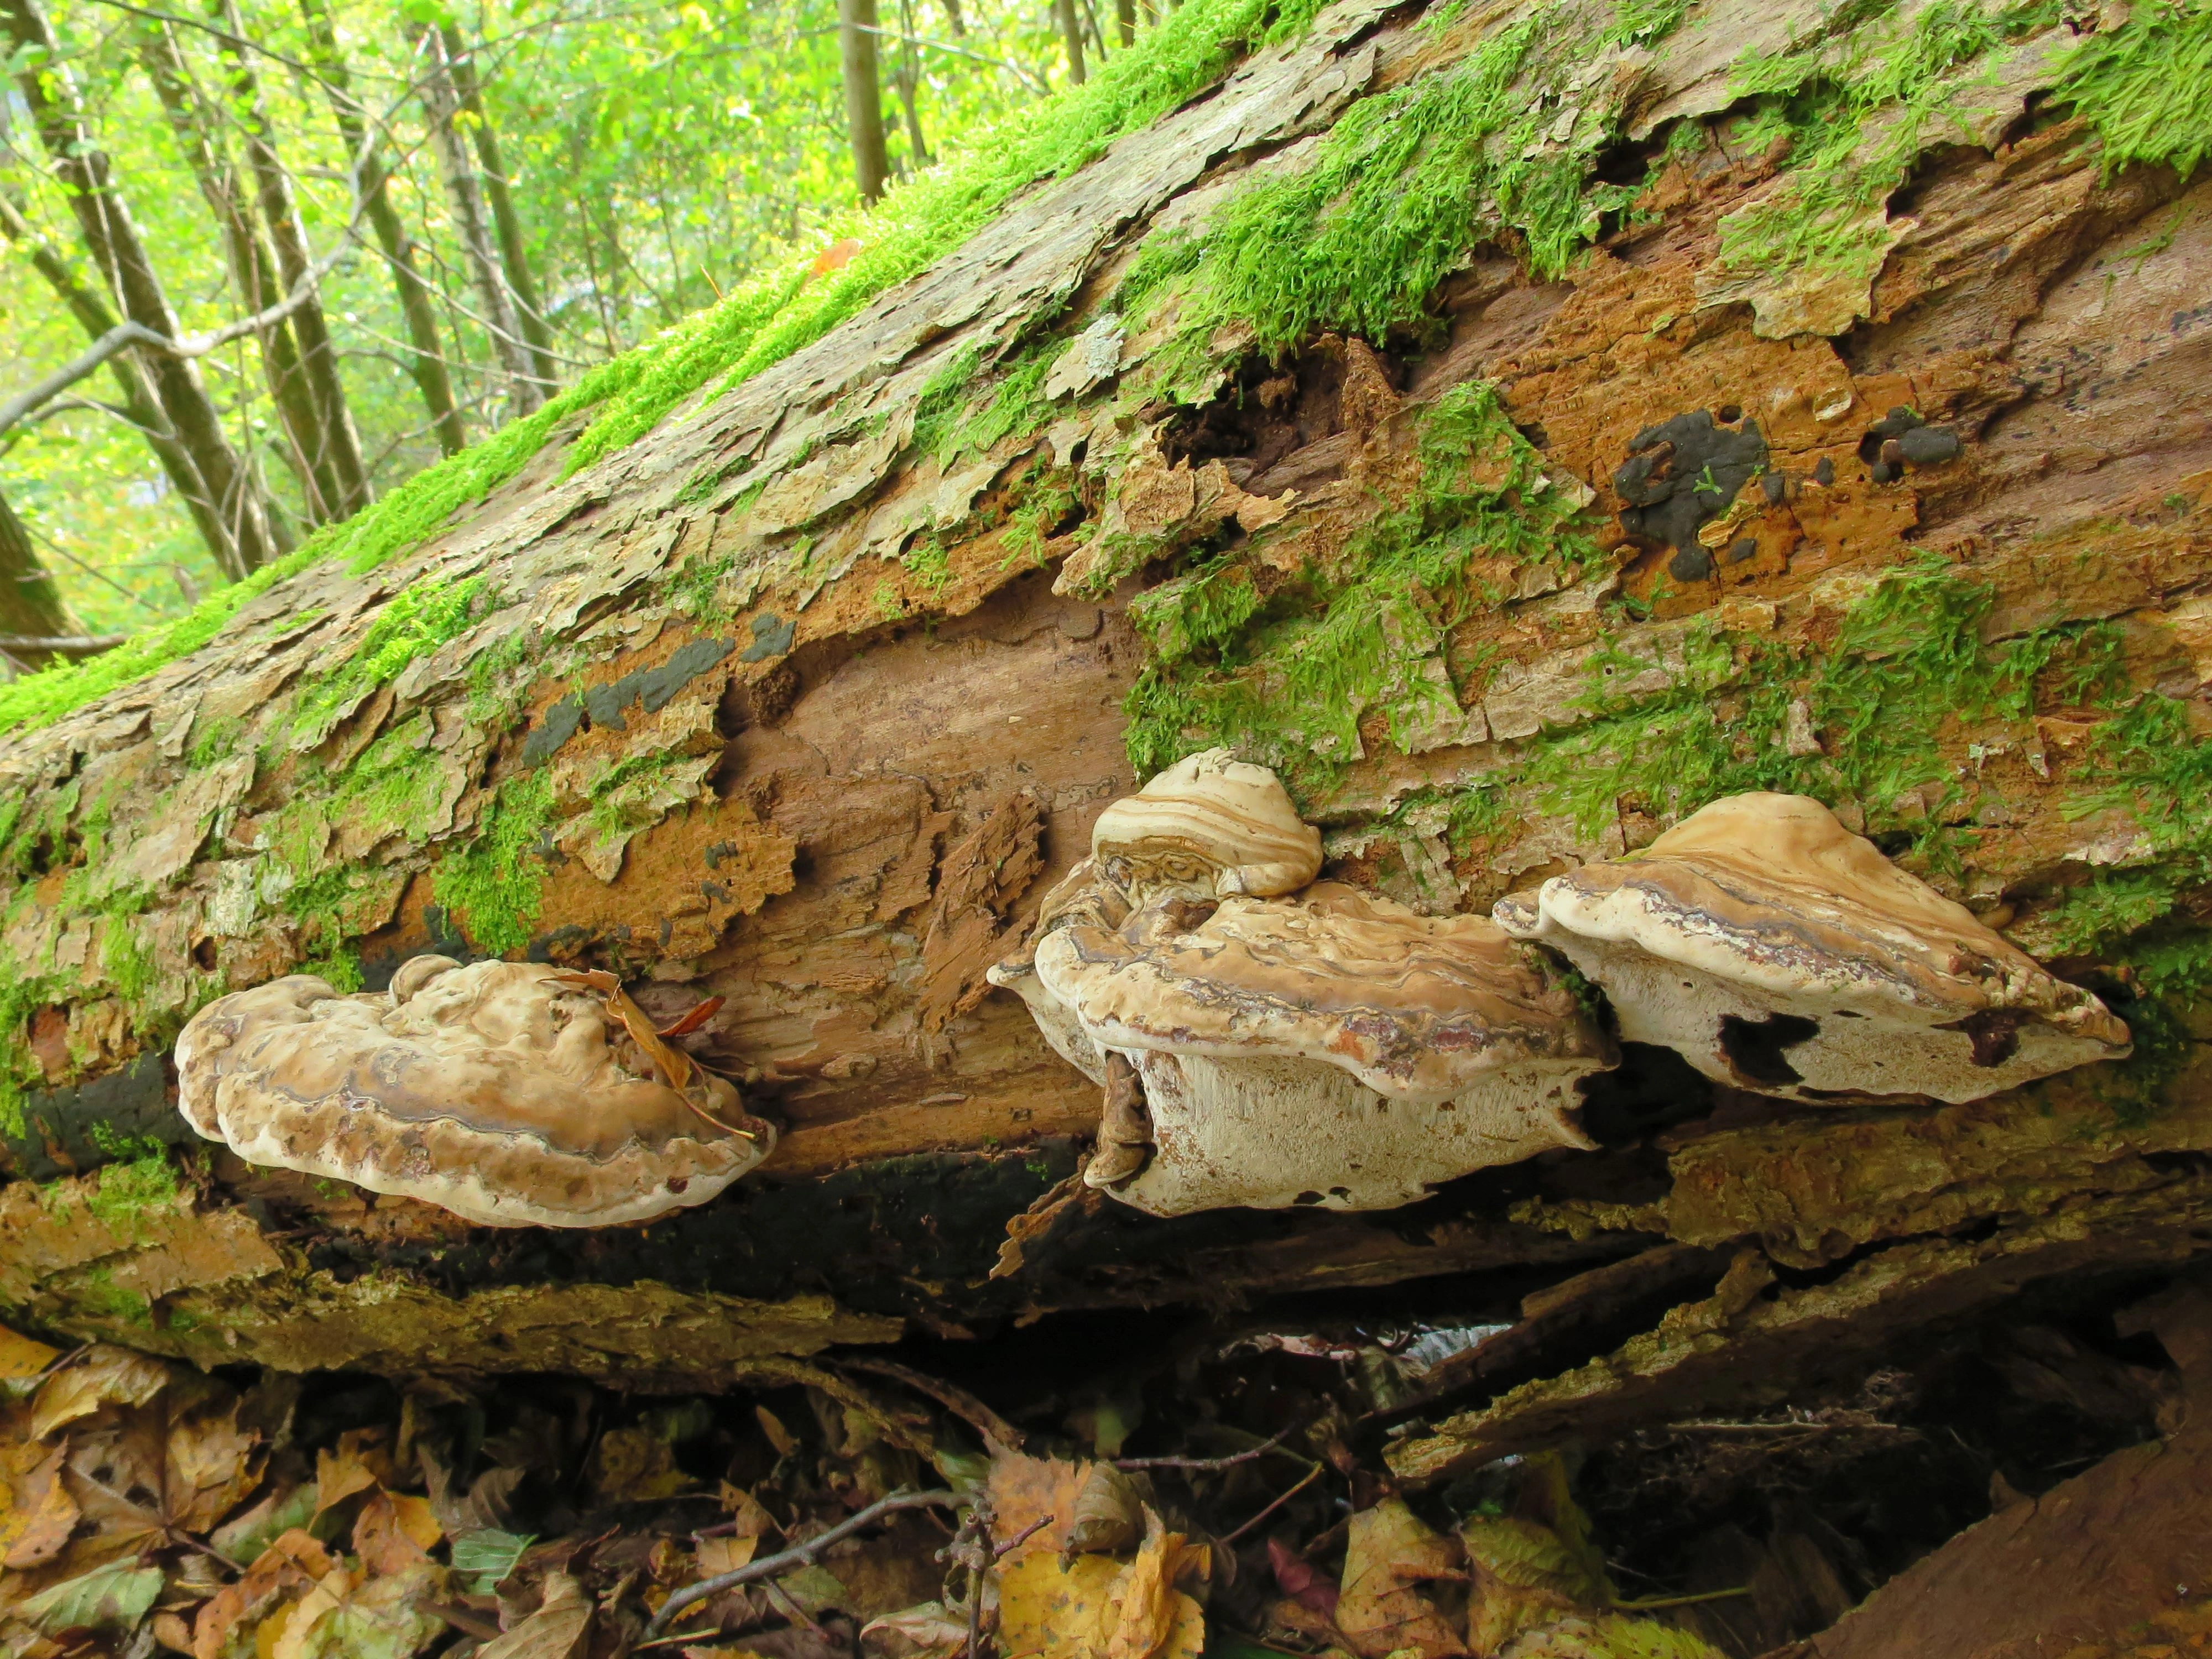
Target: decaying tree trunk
point(803, 703)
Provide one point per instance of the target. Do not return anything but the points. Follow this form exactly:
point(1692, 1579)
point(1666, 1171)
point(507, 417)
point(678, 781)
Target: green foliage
point(495, 882)
point(2142, 86)
point(1289, 674)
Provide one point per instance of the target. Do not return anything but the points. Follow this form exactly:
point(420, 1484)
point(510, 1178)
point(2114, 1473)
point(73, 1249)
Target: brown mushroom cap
point(1783, 954)
point(1211, 823)
point(490, 1090)
point(1332, 1048)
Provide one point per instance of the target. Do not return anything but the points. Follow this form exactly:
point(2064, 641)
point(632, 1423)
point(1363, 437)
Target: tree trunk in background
point(139, 405)
point(908, 79)
point(1125, 21)
point(426, 363)
point(253, 271)
point(513, 251)
point(954, 20)
point(30, 599)
point(863, 101)
point(339, 443)
point(442, 100)
point(239, 517)
point(1071, 37)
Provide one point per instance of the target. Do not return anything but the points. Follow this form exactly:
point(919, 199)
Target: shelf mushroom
point(513, 1094)
point(1329, 1048)
point(1262, 1045)
point(1781, 953)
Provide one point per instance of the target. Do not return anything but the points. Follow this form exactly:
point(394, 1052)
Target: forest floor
point(1134, 1486)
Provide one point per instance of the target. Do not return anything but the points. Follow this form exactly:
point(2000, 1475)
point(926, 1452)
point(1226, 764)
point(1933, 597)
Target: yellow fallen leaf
point(45, 1511)
point(1388, 1553)
point(394, 1531)
point(104, 1376)
point(21, 1358)
point(1050, 1611)
point(328, 1594)
point(719, 1555)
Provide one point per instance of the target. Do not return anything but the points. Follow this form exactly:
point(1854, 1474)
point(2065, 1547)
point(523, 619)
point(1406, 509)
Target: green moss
point(1859, 112)
point(495, 882)
point(414, 622)
point(1405, 184)
point(2142, 86)
point(1287, 673)
point(142, 1178)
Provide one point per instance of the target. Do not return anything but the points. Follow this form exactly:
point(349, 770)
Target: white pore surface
point(1272, 1133)
point(1865, 1045)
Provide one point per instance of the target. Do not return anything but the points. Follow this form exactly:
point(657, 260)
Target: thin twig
point(1312, 1475)
point(955, 1399)
point(1649, 1603)
point(78, 645)
point(1204, 1463)
point(800, 1555)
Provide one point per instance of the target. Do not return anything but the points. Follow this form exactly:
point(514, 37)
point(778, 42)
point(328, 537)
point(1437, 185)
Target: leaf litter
point(1214, 1494)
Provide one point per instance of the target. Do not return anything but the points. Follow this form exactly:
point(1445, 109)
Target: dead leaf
point(293, 1565)
point(113, 1597)
point(782, 1439)
point(1094, 1608)
point(926, 1632)
point(394, 1531)
point(635, 1466)
point(560, 1629)
point(747, 1514)
point(719, 1555)
point(1110, 1516)
point(20, 1359)
point(1153, 1619)
point(300, 1618)
point(41, 1502)
point(1025, 1489)
point(352, 1467)
point(1525, 1575)
point(1390, 1552)
point(1055, 1611)
point(173, 1633)
point(1609, 1636)
point(105, 1377)
point(212, 1465)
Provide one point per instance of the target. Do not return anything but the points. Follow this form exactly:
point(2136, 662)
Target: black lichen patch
point(1682, 473)
point(772, 637)
point(650, 688)
point(1902, 437)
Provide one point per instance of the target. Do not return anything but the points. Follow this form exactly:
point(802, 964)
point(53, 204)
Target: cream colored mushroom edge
point(513, 1094)
point(1781, 953)
point(1266, 1040)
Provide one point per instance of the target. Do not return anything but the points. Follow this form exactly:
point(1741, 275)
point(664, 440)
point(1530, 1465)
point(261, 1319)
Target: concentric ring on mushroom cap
point(1413, 1007)
point(1763, 906)
point(1230, 817)
point(490, 1091)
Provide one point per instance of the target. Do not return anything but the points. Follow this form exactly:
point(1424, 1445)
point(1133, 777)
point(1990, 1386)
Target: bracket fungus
point(1265, 1041)
point(1783, 954)
point(513, 1094)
